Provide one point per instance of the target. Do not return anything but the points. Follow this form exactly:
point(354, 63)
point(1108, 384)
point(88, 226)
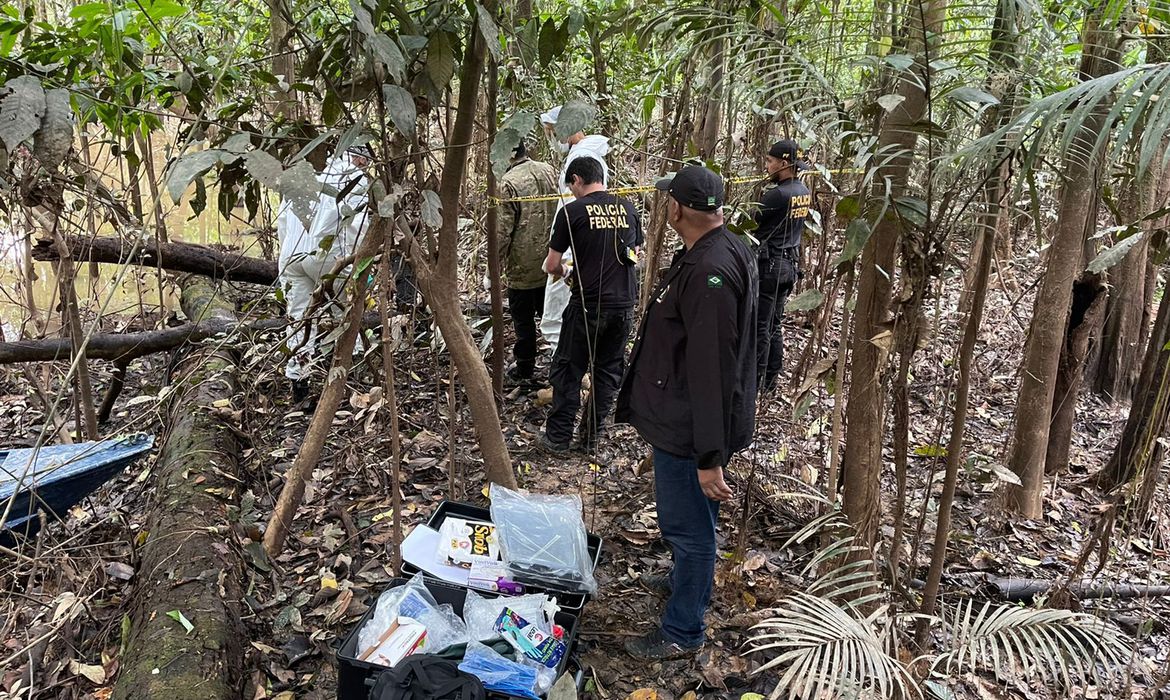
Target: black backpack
point(427, 677)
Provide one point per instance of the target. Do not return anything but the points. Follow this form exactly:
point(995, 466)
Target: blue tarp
point(54, 478)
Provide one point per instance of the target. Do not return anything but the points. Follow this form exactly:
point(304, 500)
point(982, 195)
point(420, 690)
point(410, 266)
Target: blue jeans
point(687, 519)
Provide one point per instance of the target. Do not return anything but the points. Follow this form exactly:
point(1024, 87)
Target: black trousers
point(777, 278)
point(525, 305)
point(591, 341)
point(405, 289)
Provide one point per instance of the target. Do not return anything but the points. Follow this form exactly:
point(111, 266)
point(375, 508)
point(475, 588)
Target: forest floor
point(339, 555)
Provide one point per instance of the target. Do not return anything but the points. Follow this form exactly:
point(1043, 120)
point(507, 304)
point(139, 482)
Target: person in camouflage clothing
point(523, 236)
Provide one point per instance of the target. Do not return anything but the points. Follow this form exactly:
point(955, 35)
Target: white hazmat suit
point(307, 255)
point(556, 292)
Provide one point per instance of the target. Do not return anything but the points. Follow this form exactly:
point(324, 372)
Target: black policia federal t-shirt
point(781, 216)
point(598, 227)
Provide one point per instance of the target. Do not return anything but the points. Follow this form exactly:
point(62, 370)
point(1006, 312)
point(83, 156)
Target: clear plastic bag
point(481, 613)
point(543, 539)
point(499, 674)
point(413, 600)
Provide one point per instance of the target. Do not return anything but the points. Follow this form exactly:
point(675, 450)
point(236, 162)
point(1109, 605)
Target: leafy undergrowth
point(62, 616)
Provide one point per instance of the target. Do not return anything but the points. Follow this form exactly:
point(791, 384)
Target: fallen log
point(1025, 590)
point(186, 638)
point(123, 347)
point(177, 257)
point(1016, 590)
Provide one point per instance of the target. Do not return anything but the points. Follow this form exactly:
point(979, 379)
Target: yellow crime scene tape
point(638, 189)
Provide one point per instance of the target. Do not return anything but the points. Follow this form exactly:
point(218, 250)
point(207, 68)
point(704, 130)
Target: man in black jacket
point(783, 210)
point(690, 391)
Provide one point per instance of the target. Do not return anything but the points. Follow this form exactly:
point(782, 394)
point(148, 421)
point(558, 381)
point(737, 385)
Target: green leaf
point(802, 406)
point(432, 209)
point(930, 451)
point(412, 43)
point(806, 301)
point(189, 167)
point(899, 61)
point(178, 617)
point(297, 184)
point(162, 9)
point(856, 234)
point(970, 94)
point(89, 10)
point(21, 110)
point(849, 207)
point(912, 209)
point(52, 141)
point(550, 45)
point(576, 21)
point(510, 134)
point(330, 108)
point(400, 105)
point(575, 116)
point(389, 55)
point(382, 46)
point(1115, 253)
point(440, 60)
point(890, 102)
point(489, 30)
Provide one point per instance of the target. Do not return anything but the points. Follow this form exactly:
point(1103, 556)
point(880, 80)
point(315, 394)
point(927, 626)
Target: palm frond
point(827, 651)
point(1055, 647)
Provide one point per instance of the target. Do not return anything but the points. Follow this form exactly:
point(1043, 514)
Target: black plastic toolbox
point(572, 602)
point(355, 678)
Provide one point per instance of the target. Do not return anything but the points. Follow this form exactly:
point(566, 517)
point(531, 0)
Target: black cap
point(786, 149)
point(694, 187)
point(789, 151)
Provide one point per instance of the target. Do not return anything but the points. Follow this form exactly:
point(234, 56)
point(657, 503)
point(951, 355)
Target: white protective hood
point(592, 146)
point(343, 218)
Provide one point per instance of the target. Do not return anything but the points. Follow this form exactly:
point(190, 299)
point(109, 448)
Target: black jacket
point(690, 389)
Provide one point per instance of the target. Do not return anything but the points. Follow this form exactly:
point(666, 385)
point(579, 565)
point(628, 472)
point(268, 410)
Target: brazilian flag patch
point(715, 281)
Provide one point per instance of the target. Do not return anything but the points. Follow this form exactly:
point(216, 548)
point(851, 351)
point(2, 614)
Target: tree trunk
point(283, 60)
point(76, 336)
point(183, 565)
point(599, 78)
point(1127, 312)
point(1004, 56)
point(493, 241)
point(1135, 451)
point(1088, 310)
point(707, 130)
point(438, 273)
point(942, 532)
point(390, 408)
point(656, 238)
point(865, 412)
point(177, 257)
point(1075, 220)
point(1118, 355)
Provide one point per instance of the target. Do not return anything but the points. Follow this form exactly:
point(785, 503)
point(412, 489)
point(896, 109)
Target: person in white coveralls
point(307, 254)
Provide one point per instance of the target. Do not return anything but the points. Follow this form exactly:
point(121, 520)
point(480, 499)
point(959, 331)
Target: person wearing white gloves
point(339, 221)
point(578, 145)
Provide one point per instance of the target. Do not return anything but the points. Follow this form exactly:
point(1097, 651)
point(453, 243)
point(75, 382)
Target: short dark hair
point(521, 150)
point(586, 168)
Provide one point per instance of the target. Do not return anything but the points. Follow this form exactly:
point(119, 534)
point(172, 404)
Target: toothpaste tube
point(529, 640)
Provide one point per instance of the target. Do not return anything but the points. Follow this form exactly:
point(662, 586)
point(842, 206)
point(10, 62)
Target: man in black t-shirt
point(783, 210)
point(604, 234)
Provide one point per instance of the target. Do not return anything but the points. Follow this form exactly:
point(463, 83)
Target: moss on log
point(189, 562)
